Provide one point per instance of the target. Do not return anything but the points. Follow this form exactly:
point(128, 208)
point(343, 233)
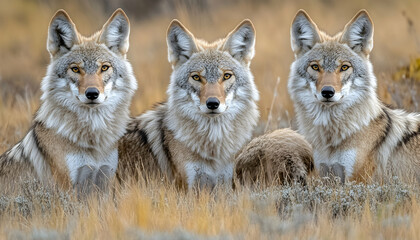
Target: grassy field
point(318, 211)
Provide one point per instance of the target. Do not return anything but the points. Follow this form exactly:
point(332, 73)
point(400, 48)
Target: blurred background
point(24, 58)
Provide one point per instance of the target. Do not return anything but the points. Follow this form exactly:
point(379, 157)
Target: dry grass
point(318, 211)
point(160, 212)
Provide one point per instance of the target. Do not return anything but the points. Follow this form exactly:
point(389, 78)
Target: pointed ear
point(304, 33)
point(181, 43)
point(115, 32)
point(240, 43)
point(358, 33)
point(62, 34)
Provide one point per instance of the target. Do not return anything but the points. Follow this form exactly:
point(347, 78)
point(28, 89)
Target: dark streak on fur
point(408, 136)
point(139, 134)
point(60, 34)
point(387, 127)
point(158, 104)
point(5, 161)
point(143, 136)
point(178, 49)
point(35, 136)
point(347, 79)
point(164, 143)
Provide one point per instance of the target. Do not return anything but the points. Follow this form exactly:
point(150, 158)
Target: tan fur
point(215, 90)
point(189, 141)
point(91, 81)
point(364, 140)
point(275, 158)
point(134, 146)
point(73, 142)
point(329, 79)
point(55, 148)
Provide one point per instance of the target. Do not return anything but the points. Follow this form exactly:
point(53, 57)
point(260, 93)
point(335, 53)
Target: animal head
point(88, 71)
point(211, 78)
point(331, 70)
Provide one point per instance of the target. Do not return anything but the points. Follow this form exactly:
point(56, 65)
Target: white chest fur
point(345, 158)
point(84, 166)
point(206, 176)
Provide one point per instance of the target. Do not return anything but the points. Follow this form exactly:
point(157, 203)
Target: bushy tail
point(16, 162)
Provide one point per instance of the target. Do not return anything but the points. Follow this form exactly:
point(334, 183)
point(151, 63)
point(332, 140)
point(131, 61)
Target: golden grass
point(318, 211)
point(160, 211)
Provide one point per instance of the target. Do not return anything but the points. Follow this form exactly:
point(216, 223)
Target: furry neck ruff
point(216, 138)
point(87, 127)
point(328, 126)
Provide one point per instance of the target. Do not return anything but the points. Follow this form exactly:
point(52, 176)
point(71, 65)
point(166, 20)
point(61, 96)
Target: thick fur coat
point(332, 84)
point(210, 114)
point(84, 108)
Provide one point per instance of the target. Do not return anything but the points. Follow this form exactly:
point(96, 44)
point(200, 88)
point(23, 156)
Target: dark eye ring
point(195, 77)
point(315, 67)
point(75, 69)
point(344, 68)
point(104, 68)
point(227, 76)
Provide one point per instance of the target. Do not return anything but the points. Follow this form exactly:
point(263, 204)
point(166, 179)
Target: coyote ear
point(358, 33)
point(240, 43)
point(62, 34)
point(181, 43)
point(304, 33)
point(115, 32)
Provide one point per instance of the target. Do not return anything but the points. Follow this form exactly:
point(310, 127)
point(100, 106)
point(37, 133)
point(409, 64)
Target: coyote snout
point(91, 85)
point(213, 97)
point(328, 84)
point(91, 88)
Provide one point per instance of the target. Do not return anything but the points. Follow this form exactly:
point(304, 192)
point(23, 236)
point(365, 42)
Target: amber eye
point(75, 69)
point(227, 76)
point(344, 68)
point(104, 68)
point(315, 67)
point(196, 77)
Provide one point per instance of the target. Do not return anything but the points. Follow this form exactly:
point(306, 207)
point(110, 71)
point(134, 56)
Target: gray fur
point(181, 44)
point(210, 142)
point(62, 34)
point(304, 34)
point(356, 132)
point(84, 134)
point(358, 34)
point(116, 32)
point(225, 133)
point(241, 42)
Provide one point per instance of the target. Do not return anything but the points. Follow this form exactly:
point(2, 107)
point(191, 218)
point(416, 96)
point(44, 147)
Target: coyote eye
point(104, 68)
point(196, 77)
point(75, 69)
point(315, 67)
point(227, 76)
point(344, 68)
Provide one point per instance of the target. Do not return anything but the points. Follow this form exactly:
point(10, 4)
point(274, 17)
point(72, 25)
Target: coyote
point(84, 108)
point(332, 84)
point(210, 114)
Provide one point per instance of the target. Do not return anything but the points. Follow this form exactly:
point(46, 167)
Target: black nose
point(327, 92)
point(212, 103)
point(92, 93)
